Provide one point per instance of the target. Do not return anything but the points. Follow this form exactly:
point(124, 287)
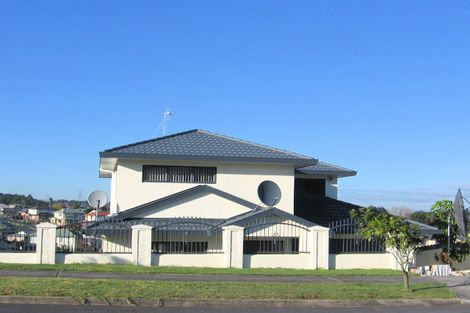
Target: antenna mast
point(166, 117)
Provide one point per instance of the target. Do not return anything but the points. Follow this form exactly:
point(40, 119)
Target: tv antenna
point(164, 123)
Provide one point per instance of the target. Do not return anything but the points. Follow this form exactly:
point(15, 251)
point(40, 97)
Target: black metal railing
point(345, 238)
point(102, 236)
point(273, 235)
point(17, 234)
point(186, 236)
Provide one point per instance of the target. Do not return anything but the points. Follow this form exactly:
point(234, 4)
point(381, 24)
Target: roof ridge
point(152, 139)
point(254, 143)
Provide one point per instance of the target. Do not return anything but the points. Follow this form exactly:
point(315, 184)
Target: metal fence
point(273, 235)
point(17, 234)
point(345, 238)
point(186, 236)
point(106, 236)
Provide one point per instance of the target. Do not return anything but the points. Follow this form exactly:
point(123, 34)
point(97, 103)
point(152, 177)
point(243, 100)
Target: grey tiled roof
point(202, 145)
point(327, 169)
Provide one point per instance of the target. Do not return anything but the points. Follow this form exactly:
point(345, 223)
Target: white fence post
point(46, 242)
point(142, 245)
point(233, 246)
point(319, 247)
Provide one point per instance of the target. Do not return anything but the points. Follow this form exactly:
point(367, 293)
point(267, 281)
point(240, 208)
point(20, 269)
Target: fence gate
point(276, 236)
point(186, 236)
point(345, 238)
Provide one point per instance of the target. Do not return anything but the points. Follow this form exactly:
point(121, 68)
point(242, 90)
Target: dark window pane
point(179, 174)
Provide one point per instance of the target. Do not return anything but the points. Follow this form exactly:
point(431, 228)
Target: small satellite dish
point(269, 193)
point(97, 199)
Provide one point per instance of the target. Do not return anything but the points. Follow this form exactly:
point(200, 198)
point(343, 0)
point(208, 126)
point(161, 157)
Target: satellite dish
point(269, 193)
point(97, 199)
point(458, 213)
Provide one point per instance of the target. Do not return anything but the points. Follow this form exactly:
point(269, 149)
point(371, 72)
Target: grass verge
point(156, 290)
point(114, 268)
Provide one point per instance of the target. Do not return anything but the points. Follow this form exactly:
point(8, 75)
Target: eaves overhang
point(108, 160)
point(327, 173)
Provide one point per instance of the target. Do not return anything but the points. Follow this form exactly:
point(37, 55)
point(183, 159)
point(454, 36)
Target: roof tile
point(200, 143)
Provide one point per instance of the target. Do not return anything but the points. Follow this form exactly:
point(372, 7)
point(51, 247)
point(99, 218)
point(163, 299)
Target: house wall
point(426, 257)
point(116, 244)
point(241, 180)
point(363, 261)
point(207, 206)
point(331, 187)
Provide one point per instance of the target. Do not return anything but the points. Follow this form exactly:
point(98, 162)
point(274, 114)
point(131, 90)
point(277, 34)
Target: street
point(18, 308)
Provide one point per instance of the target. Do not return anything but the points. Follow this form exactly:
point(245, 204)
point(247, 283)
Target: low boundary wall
point(97, 258)
point(18, 257)
point(196, 260)
point(362, 260)
point(299, 261)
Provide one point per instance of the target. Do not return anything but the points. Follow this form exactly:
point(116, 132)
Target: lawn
point(113, 268)
point(157, 290)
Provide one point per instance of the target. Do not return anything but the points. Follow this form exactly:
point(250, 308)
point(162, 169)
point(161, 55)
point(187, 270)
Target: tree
point(58, 205)
point(421, 217)
point(377, 208)
point(459, 249)
point(401, 211)
point(401, 238)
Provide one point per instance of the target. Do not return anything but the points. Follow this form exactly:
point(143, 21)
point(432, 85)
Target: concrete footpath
point(460, 285)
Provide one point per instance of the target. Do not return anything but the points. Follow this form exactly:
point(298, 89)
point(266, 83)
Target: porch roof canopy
point(242, 219)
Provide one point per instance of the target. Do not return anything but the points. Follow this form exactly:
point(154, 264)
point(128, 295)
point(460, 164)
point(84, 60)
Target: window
point(179, 174)
point(310, 186)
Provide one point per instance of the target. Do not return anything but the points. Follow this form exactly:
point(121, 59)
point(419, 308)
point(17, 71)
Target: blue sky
point(378, 86)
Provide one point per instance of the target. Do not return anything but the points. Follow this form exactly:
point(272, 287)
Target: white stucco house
point(198, 198)
point(193, 187)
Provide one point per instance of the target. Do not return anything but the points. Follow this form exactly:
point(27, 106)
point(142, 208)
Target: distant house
point(3, 206)
point(37, 214)
point(91, 216)
point(67, 216)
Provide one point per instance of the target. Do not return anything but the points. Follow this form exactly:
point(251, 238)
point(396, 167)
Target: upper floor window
point(310, 186)
point(179, 174)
